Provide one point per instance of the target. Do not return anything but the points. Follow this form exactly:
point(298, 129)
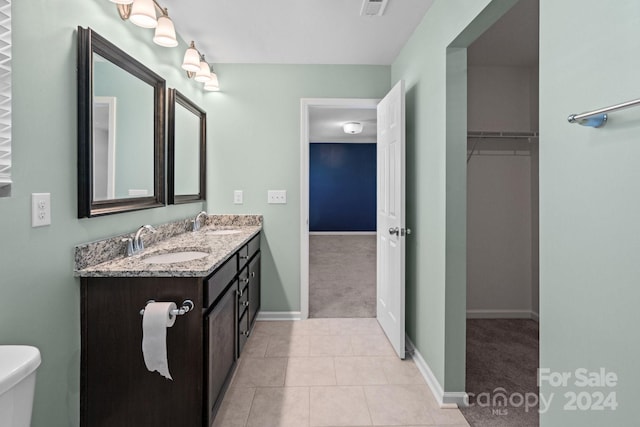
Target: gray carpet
point(501, 353)
point(342, 276)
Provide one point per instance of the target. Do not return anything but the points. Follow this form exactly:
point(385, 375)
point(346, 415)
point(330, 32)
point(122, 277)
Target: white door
point(391, 216)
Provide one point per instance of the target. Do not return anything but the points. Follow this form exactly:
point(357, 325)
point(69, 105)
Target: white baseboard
point(535, 316)
point(278, 315)
point(342, 233)
point(446, 400)
point(500, 314)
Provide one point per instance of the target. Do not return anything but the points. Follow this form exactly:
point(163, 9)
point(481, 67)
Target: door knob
point(395, 230)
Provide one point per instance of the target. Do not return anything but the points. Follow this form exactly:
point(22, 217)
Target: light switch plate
point(237, 197)
point(40, 209)
point(277, 197)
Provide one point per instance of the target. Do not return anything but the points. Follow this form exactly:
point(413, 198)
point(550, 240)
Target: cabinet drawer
point(217, 283)
point(243, 256)
point(243, 331)
point(243, 299)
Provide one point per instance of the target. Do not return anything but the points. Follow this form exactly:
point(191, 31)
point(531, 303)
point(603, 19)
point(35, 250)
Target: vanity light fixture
point(352, 127)
point(143, 13)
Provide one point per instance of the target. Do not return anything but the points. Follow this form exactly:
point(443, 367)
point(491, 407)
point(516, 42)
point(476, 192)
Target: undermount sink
point(222, 232)
point(171, 257)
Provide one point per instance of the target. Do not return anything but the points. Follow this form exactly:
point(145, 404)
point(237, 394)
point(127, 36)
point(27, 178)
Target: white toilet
point(18, 364)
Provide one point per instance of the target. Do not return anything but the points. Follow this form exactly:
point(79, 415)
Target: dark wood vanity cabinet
point(202, 346)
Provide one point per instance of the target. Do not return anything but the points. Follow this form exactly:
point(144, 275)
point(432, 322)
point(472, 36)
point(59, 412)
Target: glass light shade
point(191, 61)
point(143, 14)
point(212, 85)
point(352, 127)
point(204, 73)
point(165, 33)
point(122, 1)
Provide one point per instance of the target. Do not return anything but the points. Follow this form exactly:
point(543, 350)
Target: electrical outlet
point(237, 197)
point(277, 197)
point(40, 209)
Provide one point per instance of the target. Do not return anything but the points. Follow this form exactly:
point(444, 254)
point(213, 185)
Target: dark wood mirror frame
point(175, 98)
point(89, 42)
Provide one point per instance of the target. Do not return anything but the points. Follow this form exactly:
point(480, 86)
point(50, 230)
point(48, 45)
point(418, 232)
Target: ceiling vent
point(373, 7)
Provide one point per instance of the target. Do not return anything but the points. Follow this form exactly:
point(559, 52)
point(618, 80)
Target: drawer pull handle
point(245, 333)
point(253, 274)
point(240, 293)
point(244, 257)
point(245, 280)
point(245, 303)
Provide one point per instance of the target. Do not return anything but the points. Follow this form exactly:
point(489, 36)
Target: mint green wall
point(588, 178)
point(589, 209)
point(434, 68)
point(40, 297)
point(253, 144)
point(255, 147)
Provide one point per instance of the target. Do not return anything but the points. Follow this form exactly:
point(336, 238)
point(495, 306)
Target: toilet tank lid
point(16, 363)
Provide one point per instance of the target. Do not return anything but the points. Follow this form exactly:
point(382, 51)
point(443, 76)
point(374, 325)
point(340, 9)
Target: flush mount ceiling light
point(352, 128)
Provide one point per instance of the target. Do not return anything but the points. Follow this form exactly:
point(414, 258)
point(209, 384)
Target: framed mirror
point(120, 130)
point(187, 138)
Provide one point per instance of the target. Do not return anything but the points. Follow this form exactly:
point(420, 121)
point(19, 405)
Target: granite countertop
point(219, 247)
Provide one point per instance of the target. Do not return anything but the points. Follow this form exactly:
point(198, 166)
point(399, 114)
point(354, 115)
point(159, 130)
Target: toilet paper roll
point(155, 321)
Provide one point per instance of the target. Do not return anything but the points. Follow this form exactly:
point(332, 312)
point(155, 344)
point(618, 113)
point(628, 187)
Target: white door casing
point(391, 217)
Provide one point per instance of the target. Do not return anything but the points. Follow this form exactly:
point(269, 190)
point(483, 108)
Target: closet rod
point(598, 118)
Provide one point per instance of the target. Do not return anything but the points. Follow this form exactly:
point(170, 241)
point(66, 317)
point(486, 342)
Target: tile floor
point(331, 373)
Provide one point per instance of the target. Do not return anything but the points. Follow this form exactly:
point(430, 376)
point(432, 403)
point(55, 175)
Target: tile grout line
point(246, 421)
point(367, 402)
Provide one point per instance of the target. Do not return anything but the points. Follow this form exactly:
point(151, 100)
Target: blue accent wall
point(342, 187)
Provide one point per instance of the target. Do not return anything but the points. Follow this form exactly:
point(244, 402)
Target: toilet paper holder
point(187, 306)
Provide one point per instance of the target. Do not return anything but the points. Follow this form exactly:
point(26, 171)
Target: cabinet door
point(220, 325)
point(254, 287)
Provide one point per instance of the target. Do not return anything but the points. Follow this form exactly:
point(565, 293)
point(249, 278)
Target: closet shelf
point(502, 134)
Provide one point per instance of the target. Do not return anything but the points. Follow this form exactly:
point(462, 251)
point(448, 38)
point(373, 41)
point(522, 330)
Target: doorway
point(502, 339)
point(338, 233)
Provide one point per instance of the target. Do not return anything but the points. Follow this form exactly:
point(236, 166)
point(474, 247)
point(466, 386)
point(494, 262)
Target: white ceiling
point(333, 32)
point(295, 31)
point(325, 124)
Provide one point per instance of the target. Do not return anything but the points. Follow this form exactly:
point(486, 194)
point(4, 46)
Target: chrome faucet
point(138, 244)
point(197, 223)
